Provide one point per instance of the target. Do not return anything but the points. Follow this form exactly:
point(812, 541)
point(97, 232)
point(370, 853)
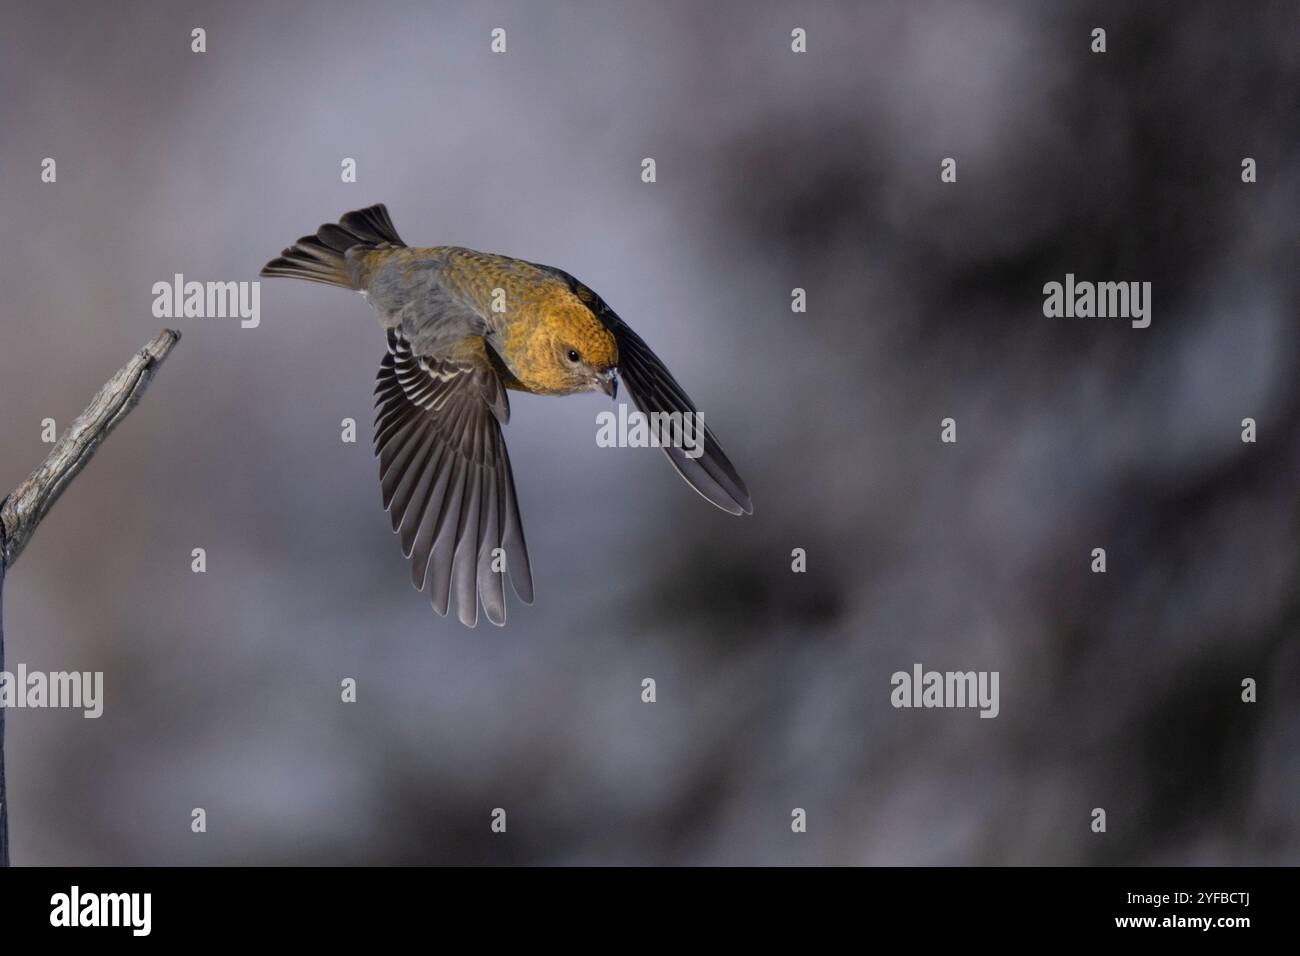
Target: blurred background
point(776, 170)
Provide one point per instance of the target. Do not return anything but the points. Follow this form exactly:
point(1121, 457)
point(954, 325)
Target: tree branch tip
point(162, 344)
point(22, 510)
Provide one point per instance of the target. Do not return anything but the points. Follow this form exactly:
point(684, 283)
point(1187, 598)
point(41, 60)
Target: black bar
point(333, 905)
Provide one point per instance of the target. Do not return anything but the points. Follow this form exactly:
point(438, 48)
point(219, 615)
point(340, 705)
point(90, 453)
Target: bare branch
point(23, 510)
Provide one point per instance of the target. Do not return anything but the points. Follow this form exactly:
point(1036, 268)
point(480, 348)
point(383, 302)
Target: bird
point(463, 329)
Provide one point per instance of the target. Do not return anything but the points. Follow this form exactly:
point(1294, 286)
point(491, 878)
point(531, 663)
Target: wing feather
point(445, 479)
point(653, 389)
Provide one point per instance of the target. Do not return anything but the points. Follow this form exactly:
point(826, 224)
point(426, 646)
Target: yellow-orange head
point(567, 349)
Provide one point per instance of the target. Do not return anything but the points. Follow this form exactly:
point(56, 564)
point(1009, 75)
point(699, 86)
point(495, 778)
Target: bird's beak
point(608, 383)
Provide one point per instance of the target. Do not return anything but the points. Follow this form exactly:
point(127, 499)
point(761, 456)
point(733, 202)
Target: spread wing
point(446, 477)
point(654, 389)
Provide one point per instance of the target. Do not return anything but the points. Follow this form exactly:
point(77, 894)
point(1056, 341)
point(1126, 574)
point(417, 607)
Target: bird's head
point(584, 350)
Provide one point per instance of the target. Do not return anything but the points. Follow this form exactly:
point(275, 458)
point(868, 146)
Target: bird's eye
point(573, 355)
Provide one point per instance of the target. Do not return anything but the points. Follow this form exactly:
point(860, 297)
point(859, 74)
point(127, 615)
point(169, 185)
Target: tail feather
point(323, 257)
point(371, 224)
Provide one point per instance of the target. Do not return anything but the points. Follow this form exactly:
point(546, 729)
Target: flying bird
point(463, 328)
